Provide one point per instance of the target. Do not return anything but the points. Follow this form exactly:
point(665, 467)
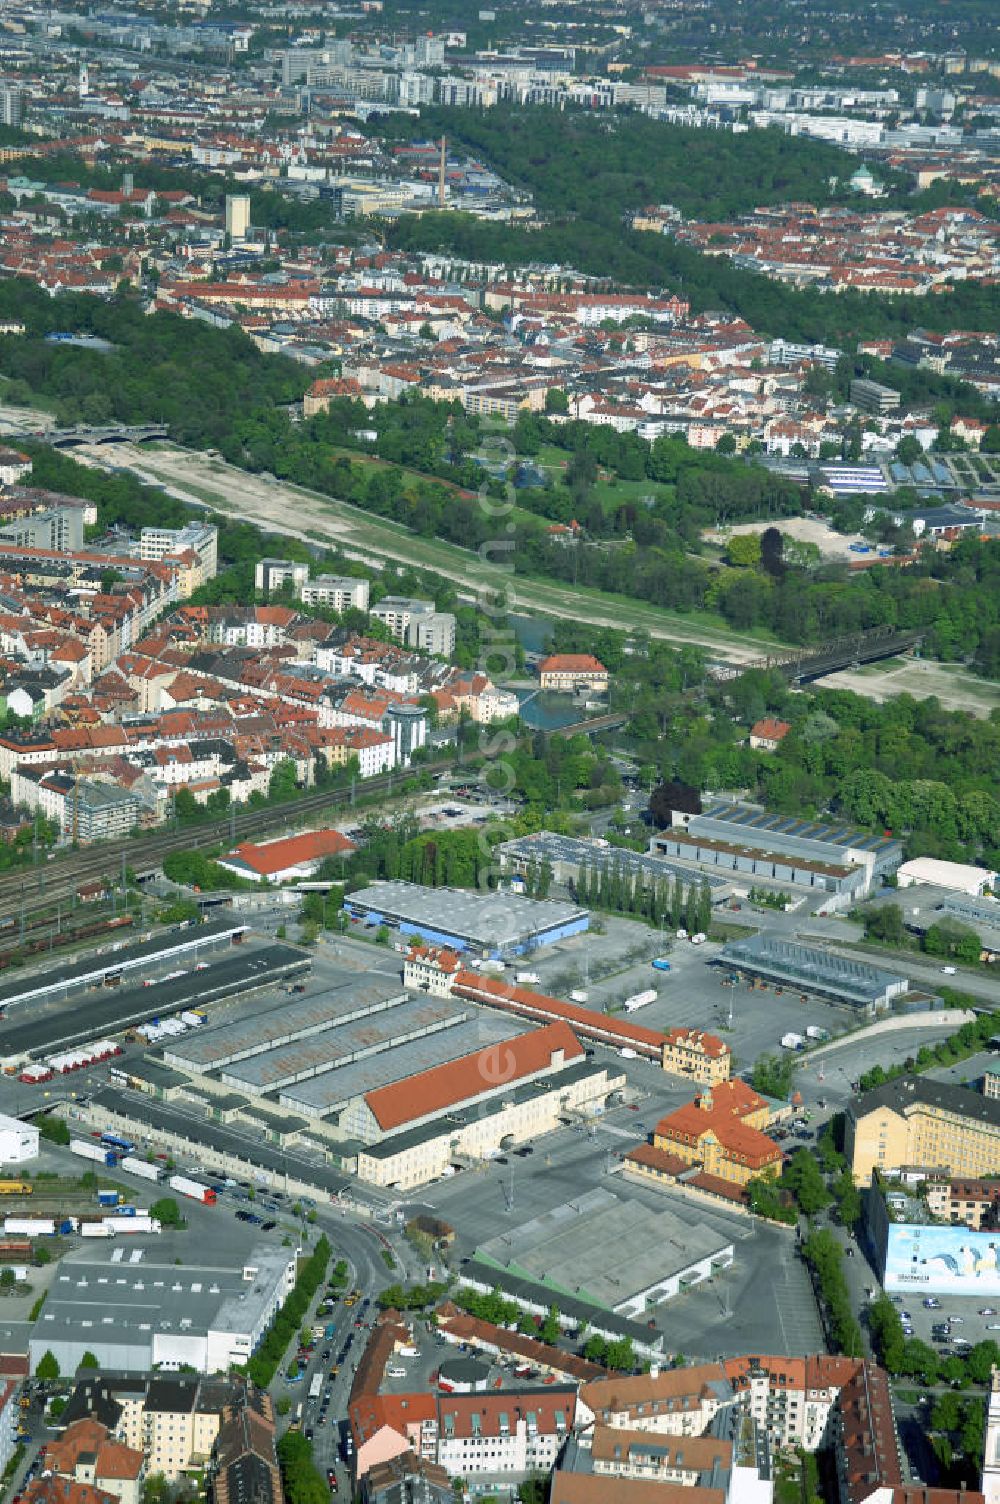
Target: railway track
point(48, 884)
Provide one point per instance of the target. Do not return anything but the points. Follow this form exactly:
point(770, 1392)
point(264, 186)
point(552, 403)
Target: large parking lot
point(694, 992)
point(954, 1323)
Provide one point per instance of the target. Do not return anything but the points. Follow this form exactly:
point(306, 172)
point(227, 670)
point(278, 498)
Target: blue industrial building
point(491, 925)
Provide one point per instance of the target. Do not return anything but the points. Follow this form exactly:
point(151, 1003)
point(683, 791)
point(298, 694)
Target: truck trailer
point(141, 1167)
point(99, 1153)
point(192, 1189)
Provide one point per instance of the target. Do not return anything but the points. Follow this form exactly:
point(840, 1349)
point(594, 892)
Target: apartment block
point(271, 574)
point(336, 593)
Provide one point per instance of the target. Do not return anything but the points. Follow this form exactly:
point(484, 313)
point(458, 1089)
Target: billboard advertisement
point(942, 1260)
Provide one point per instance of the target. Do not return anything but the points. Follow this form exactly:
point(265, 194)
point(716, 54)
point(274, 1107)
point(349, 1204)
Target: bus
point(115, 1141)
point(316, 1387)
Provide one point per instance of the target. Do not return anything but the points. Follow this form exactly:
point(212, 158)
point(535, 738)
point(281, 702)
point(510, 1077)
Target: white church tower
point(991, 1451)
point(84, 81)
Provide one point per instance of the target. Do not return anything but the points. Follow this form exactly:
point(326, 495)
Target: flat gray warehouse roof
point(568, 1247)
point(334, 1089)
point(255, 1033)
point(305, 1058)
point(497, 919)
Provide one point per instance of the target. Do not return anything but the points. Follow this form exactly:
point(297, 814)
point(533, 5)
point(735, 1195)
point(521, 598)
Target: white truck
point(792, 1041)
point(814, 1031)
point(527, 978)
point(640, 1000)
point(578, 995)
point(193, 1189)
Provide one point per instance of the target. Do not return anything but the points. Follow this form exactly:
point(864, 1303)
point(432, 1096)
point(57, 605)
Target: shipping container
point(108, 1198)
point(15, 1188)
point(28, 1227)
point(192, 1188)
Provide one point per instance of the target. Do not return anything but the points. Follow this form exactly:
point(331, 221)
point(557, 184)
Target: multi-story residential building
point(671, 1402)
point(57, 528)
point(87, 1453)
point(270, 574)
point(8, 1420)
point(434, 632)
point(337, 593)
point(200, 538)
point(375, 751)
point(573, 671)
point(398, 612)
point(417, 623)
point(518, 1433)
point(83, 809)
point(244, 1463)
point(169, 1422)
point(914, 1120)
point(702, 1057)
point(971, 1203)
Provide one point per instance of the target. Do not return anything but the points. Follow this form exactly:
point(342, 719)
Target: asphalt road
point(362, 1247)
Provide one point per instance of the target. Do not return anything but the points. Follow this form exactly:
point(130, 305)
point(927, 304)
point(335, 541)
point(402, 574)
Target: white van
point(395, 1371)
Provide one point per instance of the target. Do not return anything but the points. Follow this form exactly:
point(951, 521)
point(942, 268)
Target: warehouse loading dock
point(114, 1010)
point(95, 969)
